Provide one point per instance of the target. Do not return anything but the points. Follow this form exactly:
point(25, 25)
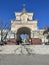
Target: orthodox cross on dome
point(24, 10)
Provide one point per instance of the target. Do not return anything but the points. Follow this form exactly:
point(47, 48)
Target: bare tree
point(4, 34)
point(46, 34)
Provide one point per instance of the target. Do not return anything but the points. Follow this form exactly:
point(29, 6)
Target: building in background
point(25, 24)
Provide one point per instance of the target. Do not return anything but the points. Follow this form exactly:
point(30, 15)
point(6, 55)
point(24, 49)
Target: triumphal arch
point(25, 24)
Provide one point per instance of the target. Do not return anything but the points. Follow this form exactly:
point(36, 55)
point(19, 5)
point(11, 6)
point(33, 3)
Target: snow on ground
point(24, 49)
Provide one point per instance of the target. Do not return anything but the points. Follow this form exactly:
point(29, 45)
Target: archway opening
point(23, 33)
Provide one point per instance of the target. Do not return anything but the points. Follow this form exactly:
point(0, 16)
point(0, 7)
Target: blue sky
point(39, 7)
